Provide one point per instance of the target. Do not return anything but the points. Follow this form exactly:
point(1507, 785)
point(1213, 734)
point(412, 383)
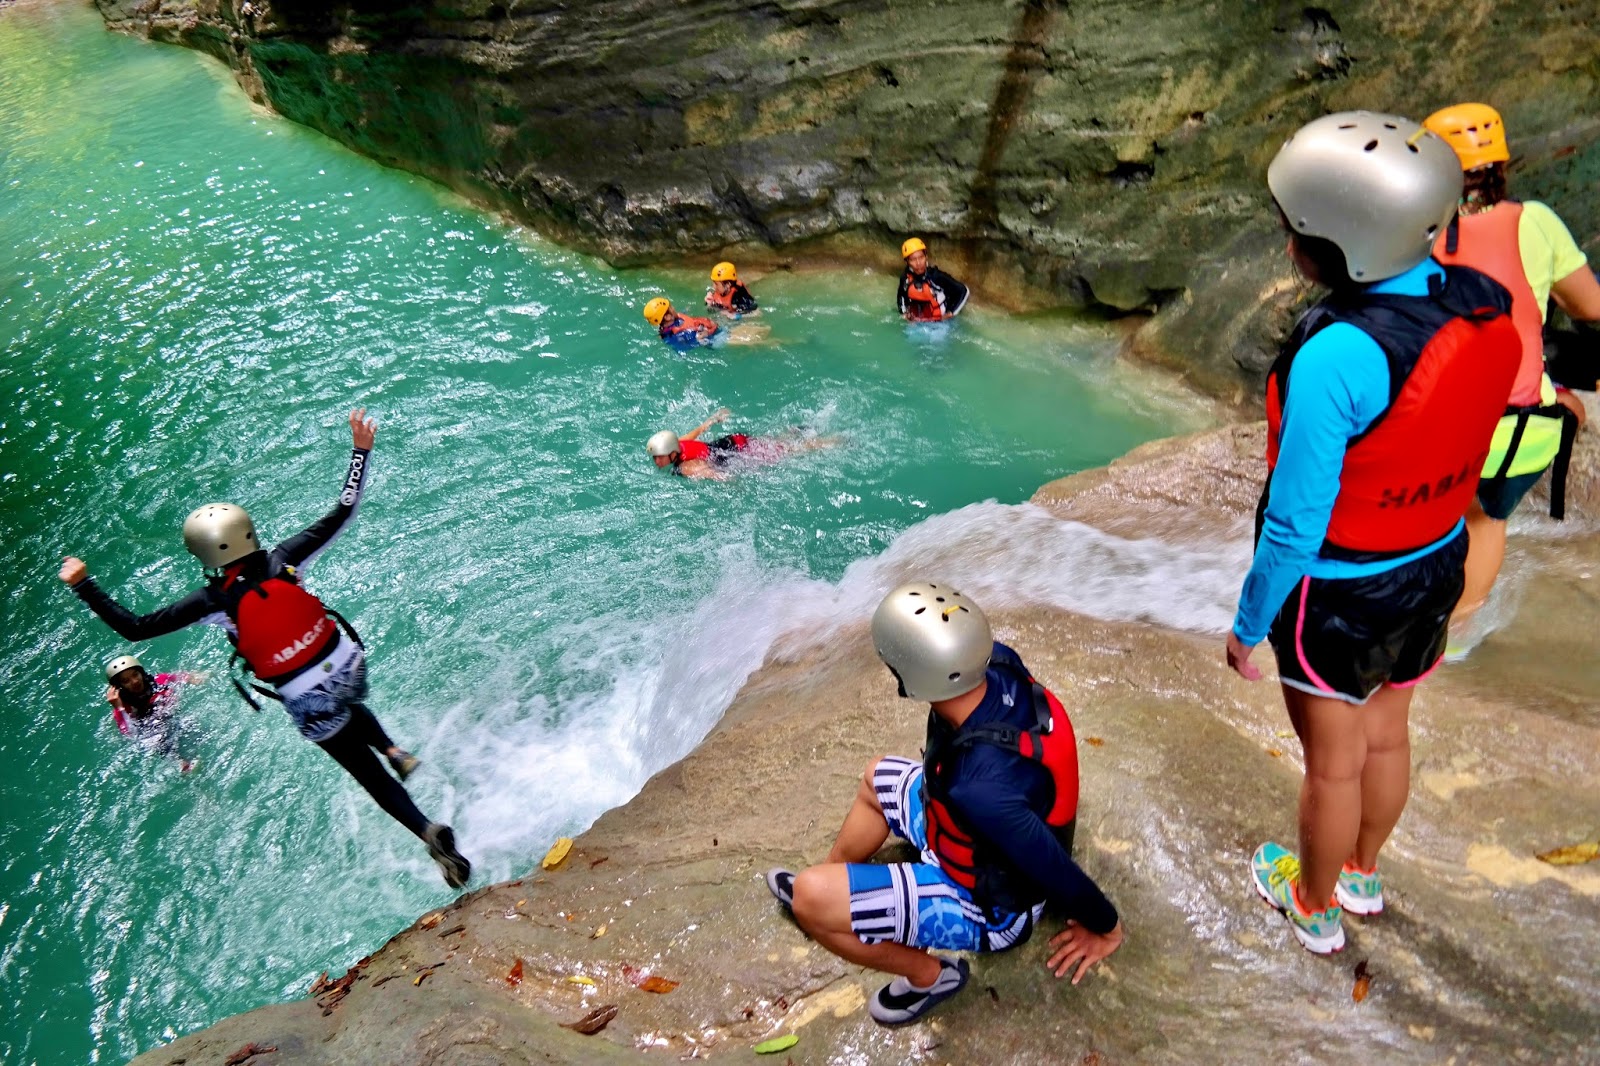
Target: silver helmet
point(663, 443)
point(936, 641)
point(218, 534)
point(118, 663)
point(1380, 187)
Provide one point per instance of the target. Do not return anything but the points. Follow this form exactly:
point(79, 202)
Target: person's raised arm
point(192, 608)
point(303, 548)
point(694, 434)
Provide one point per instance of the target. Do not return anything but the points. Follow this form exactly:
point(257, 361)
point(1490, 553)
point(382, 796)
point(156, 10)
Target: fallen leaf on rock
point(522, 902)
point(320, 985)
point(777, 1044)
point(423, 976)
point(659, 985)
point(580, 980)
point(1094, 742)
point(992, 993)
point(594, 1021)
point(386, 979)
point(1285, 734)
point(1564, 151)
point(557, 853)
point(598, 933)
point(1274, 752)
point(431, 920)
point(1363, 982)
point(597, 862)
point(453, 930)
point(1573, 854)
point(514, 978)
point(248, 1050)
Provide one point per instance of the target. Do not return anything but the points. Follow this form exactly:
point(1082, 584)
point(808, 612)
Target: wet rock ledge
point(1485, 954)
point(1103, 155)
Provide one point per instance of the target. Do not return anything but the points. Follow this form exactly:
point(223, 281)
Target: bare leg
point(1386, 774)
point(822, 907)
point(864, 829)
point(1486, 552)
point(1335, 745)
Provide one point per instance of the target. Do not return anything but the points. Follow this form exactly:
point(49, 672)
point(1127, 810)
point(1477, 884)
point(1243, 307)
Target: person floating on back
point(689, 456)
point(927, 294)
point(728, 294)
point(991, 806)
point(289, 639)
point(1380, 410)
point(144, 707)
point(1526, 248)
point(680, 331)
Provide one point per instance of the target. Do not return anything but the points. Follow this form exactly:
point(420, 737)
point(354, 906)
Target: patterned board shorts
point(917, 903)
point(319, 701)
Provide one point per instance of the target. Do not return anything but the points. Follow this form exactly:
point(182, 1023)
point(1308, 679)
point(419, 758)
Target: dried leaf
point(777, 1044)
point(431, 920)
point(992, 993)
point(1275, 753)
point(557, 853)
point(453, 930)
point(594, 1021)
point(598, 933)
point(1094, 742)
point(659, 985)
point(248, 1050)
point(386, 979)
point(522, 902)
point(1363, 982)
point(514, 978)
point(579, 979)
point(320, 985)
point(1573, 854)
point(601, 859)
point(1285, 734)
point(423, 976)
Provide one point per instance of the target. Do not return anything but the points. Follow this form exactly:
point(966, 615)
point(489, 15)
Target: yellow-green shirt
point(1549, 253)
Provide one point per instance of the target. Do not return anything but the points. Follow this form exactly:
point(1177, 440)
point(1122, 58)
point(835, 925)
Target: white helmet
point(218, 534)
point(118, 663)
point(1380, 187)
point(663, 443)
point(935, 640)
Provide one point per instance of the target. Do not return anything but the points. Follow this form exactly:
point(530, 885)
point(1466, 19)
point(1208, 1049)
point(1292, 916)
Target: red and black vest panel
point(990, 878)
point(282, 628)
point(923, 301)
point(1409, 477)
point(1489, 242)
point(690, 450)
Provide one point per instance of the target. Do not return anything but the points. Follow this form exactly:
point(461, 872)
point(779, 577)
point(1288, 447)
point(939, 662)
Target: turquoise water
point(192, 294)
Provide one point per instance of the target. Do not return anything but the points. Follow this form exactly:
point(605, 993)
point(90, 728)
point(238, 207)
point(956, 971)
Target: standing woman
point(1526, 248)
point(1379, 413)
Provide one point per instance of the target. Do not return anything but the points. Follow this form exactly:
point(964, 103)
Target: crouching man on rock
point(992, 807)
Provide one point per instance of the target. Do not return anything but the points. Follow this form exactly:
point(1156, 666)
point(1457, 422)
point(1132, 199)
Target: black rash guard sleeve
point(955, 293)
point(903, 300)
point(302, 549)
point(743, 302)
point(195, 607)
point(1005, 819)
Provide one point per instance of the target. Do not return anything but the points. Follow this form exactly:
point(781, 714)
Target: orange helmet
point(724, 272)
point(656, 310)
point(1475, 131)
point(914, 244)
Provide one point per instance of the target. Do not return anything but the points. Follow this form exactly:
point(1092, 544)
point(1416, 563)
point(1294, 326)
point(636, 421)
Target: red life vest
point(282, 628)
point(1452, 358)
point(962, 855)
point(923, 301)
point(1488, 243)
point(686, 323)
point(690, 450)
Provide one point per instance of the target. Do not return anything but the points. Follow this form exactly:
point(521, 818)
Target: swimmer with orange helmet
point(728, 294)
point(927, 294)
point(680, 331)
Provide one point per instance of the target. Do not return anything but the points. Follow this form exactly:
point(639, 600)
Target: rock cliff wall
point(1103, 154)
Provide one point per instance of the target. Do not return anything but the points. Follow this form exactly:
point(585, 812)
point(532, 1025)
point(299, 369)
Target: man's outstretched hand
point(73, 570)
point(362, 429)
point(1076, 946)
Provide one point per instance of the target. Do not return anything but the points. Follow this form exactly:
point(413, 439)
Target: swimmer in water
point(927, 294)
point(728, 294)
point(289, 640)
point(144, 706)
point(679, 331)
point(689, 456)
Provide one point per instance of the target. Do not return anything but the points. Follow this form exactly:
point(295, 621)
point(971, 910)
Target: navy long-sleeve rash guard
point(206, 604)
point(1003, 798)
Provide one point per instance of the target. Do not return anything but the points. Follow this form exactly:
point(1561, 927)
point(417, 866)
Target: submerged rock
point(1485, 954)
point(1098, 155)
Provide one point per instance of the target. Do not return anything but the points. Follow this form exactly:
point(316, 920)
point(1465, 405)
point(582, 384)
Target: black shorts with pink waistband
point(1345, 638)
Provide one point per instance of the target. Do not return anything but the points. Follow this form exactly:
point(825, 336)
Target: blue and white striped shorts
point(917, 903)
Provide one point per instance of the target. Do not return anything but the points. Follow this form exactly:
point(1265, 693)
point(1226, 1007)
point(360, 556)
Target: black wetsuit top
point(951, 294)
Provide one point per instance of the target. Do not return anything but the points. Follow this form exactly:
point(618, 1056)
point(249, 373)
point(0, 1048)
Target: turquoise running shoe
point(1275, 871)
point(1358, 892)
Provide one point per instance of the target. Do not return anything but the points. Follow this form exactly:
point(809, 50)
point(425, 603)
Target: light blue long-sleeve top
point(1338, 385)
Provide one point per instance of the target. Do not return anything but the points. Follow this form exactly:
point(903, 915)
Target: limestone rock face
point(1105, 154)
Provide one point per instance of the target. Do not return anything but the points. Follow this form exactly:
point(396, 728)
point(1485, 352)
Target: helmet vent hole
point(1431, 229)
point(1347, 125)
point(953, 676)
point(1390, 126)
point(919, 610)
point(1370, 145)
point(939, 599)
point(1413, 149)
point(914, 594)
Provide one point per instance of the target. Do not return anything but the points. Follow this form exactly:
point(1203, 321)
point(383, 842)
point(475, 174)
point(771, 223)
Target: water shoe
point(781, 884)
point(1275, 872)
point(900, 1002)
point(1359, 891)
point(405, 764)
point(441, 841)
